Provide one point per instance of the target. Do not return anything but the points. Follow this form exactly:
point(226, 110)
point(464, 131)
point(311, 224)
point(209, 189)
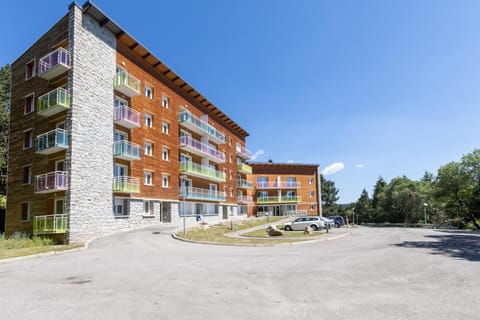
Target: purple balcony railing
point(51, 182)
point(278, 185)
point(126, 117)
point(54, 63)
point(243, 152)
point(187, 141)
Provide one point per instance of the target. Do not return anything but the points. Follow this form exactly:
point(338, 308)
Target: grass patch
point(216, 233)
point(286, 234)
point(23, 246)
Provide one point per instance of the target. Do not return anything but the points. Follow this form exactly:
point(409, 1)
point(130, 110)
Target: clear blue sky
point(385, 88)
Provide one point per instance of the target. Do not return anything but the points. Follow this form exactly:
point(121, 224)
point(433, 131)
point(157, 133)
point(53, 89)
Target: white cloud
point(290, 161)
point(359, 165)
point(334, 167)
point(257, 154)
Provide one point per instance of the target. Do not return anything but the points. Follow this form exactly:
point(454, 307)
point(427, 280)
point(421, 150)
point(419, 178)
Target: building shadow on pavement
point(454, 244)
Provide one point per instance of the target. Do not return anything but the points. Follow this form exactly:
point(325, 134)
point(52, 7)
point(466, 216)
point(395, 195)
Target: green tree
point(404, 201)
point(4, 118)
point(363, 207)
point(329, 196)
point(378, 201)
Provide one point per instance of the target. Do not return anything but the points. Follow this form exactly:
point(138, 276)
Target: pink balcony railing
point(243, 152)
point(244, 199)
point(126, 117)
point(202, 148)
point(51, 182)
point(54, 64)
point(278, 185)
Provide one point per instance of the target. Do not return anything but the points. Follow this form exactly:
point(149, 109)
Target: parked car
point(299, 224)
point(329, 223)
point(338, 220)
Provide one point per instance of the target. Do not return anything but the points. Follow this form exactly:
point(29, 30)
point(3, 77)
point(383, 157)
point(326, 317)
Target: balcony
point(284, 199)
point(51, 142)
point(54, 64)
point(126, 117)
point(204, 172)
point(126, 150)
point(202, 194)
point(126, 84)
point(243, 153)
point(201, 149)
point(51, 182)
point(244, 184)
point(126, 184)
point(200, 127)
point(51, 224)
point(244, 168)
point(278, 185)
point(241, 199)
point(53, 102)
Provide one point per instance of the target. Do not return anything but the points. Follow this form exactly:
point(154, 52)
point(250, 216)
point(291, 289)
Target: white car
point(299, 224)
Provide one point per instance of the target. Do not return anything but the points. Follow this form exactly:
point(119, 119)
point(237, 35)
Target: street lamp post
point(353, 215)
point(425, 205)
point(182, 179)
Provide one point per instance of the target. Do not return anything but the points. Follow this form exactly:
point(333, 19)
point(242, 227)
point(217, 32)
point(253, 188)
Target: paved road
point(372, 274)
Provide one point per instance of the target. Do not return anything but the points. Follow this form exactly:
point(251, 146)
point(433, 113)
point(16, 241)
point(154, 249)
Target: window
point(148, 92)
point(291, 182)
point(165, 152)
point(312, 206)
point(25, 211)
point(29, 104)
point(148, 208)
point(148, 149)
point(165, 127)
point(120, 207)
point(310, 181)
point(27, 139)
point(30, 70)
point(231, 192)
point(148, 178)
point(230, 141)
point(165, 101)
point(148, 120)
point(312, 193)
point(27, 175)
point(165, 181)
point(231, 175)
point(230, 158)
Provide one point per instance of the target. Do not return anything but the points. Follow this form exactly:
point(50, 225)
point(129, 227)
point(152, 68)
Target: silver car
point(299, 224)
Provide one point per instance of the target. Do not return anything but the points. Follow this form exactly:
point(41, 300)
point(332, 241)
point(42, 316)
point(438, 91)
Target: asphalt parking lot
point(374, 273)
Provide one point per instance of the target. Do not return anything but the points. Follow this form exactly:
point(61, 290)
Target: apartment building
point(104, 137)
point(282, 189)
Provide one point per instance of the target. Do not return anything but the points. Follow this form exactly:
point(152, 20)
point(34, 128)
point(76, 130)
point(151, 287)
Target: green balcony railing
point(126, 184)
point(126, 150)
point(126, 83)
point(244, 168)
point(50, 224)
point(200, 171)
point(53, 102)
point(52, 141)
point(284, 199)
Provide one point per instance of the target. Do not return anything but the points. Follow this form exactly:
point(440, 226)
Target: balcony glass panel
point(53, 102)
point(127, 84)
point(201, 148)
point(52, 141)
point(126, 150)
point(126, 117)
point(51, 182)
point(126, 184)
point(202, 194)
point(201, 127)
point(202, 171)
point(54, 64)
point(283, 199)
point(50, 224)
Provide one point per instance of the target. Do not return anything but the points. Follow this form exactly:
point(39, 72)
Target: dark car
point(338, 220)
